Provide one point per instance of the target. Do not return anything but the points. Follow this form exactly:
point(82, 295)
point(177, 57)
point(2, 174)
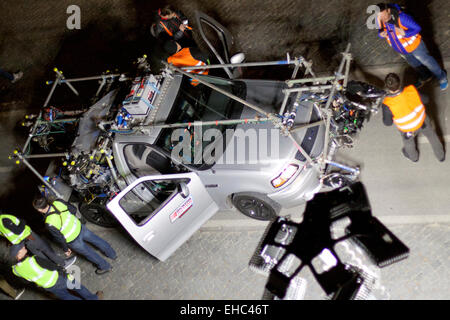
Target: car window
point(143, 160)
point(201, 103)
point(147, 198)
point(310, 137)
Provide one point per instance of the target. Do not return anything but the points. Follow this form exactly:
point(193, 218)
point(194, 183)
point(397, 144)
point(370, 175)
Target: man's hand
point(399, 31)
point(68, 253)
point(183, 27)
point(383, 34)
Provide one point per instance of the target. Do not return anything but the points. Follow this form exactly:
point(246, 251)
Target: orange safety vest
point(167, 29)
point(170, 33)
point(183, 58)
point(409, 44)
point(407, 109)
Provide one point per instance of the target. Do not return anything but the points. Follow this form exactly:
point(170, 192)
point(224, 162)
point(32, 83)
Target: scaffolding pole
point(46, 155)
point(244, 64)
point(204, 123)
point(22, 158)
point(106, 76)
point(327, 106)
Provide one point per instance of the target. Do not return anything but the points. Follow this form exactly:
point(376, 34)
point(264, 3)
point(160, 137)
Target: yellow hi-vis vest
point(8, 234)
point(65, 222)
point(30, 270)
point(407, 109)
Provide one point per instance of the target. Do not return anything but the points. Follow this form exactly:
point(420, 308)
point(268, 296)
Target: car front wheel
point(98, 214)
point(256, 206)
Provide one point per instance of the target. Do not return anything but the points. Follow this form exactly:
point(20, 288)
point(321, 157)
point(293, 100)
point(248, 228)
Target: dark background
point(34, 37)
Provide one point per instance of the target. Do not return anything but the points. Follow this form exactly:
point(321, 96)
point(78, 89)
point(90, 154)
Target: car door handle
point(149, 236)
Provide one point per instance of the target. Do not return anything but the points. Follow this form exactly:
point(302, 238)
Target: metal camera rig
point(343, 106)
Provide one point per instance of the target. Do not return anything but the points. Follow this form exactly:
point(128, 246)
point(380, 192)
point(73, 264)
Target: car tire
point(256, 206)
point(97, 213)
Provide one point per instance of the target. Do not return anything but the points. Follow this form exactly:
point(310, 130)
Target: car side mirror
point(237, 58)
point(183, 189)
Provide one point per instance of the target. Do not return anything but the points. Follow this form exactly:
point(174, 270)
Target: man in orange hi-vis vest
point(186, 57)
point(402, 33)
point(405, 108)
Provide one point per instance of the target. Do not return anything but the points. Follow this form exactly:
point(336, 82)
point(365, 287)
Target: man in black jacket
point(171, 24)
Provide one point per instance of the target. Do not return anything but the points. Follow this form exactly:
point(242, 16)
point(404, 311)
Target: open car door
point(161, 212)
point(218, 39)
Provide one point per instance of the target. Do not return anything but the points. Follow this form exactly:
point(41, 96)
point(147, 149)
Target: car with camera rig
point(161, 156)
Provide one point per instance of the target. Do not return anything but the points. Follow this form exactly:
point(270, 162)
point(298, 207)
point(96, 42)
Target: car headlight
point(285, 175)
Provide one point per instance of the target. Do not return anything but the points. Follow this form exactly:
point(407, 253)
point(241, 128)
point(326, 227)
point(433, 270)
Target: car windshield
point(201, 103)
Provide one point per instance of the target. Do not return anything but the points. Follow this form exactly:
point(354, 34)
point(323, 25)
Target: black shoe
point(102, 271)
point(99, 295)
point(421, 82)
point(406, 156)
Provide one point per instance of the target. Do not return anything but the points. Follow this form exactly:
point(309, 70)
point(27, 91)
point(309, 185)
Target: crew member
point(402, 33)
point(12, 77)
point(48, 276)
point(171, 24)
point(18, 233)
point(406, 110)
point(186, 57)
point(72, 235)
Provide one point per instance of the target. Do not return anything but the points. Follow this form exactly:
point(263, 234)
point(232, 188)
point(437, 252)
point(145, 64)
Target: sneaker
point(69, 261)
point(102, 271)
point(100, 295)
point(19, 294)
point(17, 76)
point(443, 84)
